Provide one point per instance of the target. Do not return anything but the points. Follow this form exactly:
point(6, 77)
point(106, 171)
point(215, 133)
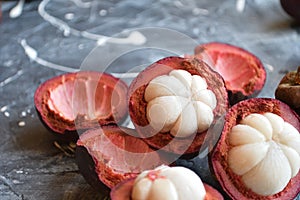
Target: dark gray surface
point(31, 166)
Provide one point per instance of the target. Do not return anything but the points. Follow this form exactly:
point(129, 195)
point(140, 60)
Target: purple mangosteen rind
point(86, 166)
point(292, 8)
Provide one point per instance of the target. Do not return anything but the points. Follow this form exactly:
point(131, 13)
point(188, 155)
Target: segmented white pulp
point(168, 183)
point(265, 153)
point(180, 103)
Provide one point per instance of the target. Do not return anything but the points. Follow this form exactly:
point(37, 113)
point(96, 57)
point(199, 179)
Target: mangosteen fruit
point(258, 153)
point(174, 101)
point(243, 72)
point(291, 7)
point(288, 90)
point(81, 100)
point(163, 182)
point(110, 154)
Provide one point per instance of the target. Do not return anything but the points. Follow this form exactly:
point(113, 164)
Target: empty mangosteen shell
point(232, 183)
point(67, 130)
point(137, 103)
point(96, 172)
point(249, 88)
point(87, 163)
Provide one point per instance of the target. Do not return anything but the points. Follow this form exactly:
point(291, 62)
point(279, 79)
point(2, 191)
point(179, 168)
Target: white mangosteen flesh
point(180, 103)
point(168, 183)
point(265, 152)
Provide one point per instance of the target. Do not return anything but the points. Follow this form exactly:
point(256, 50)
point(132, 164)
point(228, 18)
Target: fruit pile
point(172, 105)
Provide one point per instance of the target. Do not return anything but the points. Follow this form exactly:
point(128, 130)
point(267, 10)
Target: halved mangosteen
point(243, 72)
point(110, 154)
point(174, 101)
point(167, 183)
point(81, 100)
point(258, 153)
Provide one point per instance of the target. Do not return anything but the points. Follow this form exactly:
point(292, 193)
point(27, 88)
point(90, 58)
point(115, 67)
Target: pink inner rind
point(47, 115)
point(60, 100)
point(85, 97)
point(235, 69)
point(231, 182)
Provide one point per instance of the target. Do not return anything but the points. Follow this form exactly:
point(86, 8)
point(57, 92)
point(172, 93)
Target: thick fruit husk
point(230, 182)
point(137, 103)
point(87, 166)
point(111, 154)
point(59, 99)
point(243, 72)
point(123, 190)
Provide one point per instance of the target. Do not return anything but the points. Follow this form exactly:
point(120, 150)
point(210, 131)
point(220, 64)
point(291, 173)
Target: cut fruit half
point(111, 154)
point(243, 72)
point(258, 154)
point(174, 101)
point(81, 100)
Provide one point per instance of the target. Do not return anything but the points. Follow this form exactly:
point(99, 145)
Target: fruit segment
point(164, 111)
point(259, 122)
point(169, 183)
point(244, 134)
point(165, 86)
point(243, 158)
point(180, 103)
point(271, 175)
point(265, 152)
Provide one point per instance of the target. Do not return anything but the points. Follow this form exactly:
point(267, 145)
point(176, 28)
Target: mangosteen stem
point(67, 149)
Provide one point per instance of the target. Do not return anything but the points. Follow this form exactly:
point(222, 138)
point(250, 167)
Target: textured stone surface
point(31, 166)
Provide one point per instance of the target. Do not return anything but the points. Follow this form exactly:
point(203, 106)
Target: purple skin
point(291, 7)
